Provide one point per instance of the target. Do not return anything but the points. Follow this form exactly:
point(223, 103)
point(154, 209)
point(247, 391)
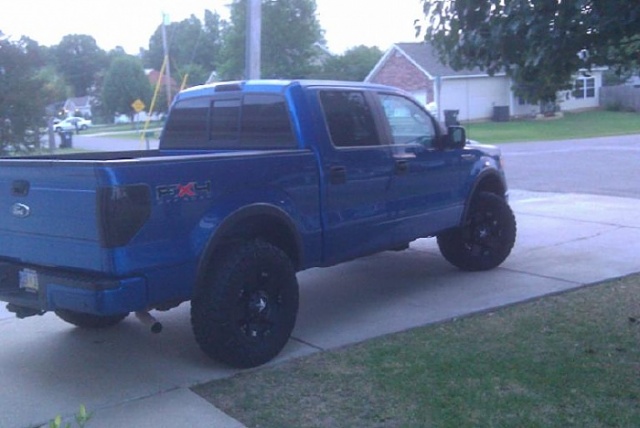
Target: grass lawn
point(121, 128)
point(569, 360)
point(595, 123)
point(125, 131)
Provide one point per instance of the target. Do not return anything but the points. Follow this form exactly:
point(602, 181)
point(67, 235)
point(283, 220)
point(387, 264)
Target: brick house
point(154, 76)
point(416, 68)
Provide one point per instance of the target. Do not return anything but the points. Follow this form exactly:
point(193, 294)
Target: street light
point(165, 47)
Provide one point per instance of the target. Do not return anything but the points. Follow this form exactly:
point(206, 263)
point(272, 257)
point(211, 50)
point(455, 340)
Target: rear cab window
point(230, 121)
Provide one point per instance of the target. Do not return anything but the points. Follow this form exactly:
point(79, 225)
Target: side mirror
point(456, 137)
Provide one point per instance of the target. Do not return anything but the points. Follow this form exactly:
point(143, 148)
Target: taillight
point(122, 211)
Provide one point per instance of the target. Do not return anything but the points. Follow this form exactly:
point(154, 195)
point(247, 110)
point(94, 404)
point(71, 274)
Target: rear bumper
point(46, 289)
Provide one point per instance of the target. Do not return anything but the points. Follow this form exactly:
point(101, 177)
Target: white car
point(72, 124)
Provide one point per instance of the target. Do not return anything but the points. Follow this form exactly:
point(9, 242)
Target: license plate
point(29, 280)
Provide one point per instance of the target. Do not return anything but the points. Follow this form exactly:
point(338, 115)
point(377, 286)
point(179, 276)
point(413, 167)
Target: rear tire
point(89, 321)
point(244, 312)
point(486, 238)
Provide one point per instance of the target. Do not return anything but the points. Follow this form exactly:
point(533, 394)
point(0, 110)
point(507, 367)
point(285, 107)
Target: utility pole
point(254, 29)
point(165, 46)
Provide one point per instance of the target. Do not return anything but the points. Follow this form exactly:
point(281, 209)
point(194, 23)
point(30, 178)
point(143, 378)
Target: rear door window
point(349, 118)
point(265, 122)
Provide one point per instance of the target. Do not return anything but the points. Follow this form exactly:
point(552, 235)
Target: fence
point(621, 97)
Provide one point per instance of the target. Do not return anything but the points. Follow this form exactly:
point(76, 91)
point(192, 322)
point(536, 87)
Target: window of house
point(349, 118)
point(584, 87)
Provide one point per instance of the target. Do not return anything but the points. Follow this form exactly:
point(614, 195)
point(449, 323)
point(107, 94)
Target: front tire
point(245, 310)
point(89, 321)
point(486, 238)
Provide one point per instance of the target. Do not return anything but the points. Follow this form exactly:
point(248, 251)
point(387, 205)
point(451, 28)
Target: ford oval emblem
point(20, 210)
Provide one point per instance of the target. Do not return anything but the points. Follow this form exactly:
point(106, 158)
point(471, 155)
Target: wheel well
point(489, 183)
point(267, 227)
point(492, 184)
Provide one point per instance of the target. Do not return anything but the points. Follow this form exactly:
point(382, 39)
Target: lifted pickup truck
point(252, 182)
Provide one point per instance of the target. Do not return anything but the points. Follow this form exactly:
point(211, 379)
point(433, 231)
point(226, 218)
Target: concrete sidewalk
point(131, 378)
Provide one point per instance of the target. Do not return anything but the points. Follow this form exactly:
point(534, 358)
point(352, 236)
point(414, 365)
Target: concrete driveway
point(130, 377)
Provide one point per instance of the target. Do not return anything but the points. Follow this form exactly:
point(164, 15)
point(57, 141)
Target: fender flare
point(489, 180)
point(224, 233)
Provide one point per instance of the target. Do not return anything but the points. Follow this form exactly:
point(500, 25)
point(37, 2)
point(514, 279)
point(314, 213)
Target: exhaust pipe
point(149, 320)
point(22, 311)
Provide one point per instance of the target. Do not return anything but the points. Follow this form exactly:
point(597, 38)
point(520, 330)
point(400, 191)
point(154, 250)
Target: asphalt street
point(576, 203)
point(599, 166)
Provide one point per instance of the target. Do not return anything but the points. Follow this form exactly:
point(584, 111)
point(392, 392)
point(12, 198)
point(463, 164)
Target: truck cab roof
point(272, 85)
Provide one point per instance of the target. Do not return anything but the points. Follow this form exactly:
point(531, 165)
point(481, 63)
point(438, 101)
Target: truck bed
point(60, 194)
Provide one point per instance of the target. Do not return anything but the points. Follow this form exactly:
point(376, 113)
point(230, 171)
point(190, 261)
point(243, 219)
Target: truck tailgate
point(48, 213)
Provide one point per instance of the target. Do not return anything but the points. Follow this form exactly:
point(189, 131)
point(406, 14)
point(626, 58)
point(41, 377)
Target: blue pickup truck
point(252, 182)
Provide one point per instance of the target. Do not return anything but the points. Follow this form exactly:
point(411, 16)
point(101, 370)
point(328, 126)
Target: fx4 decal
point(169, 193)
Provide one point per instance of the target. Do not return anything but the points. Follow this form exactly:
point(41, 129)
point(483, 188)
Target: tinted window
point(259, 121)
point(225, 116)
point(254, 121)
point(349, 118)
point(265, 121)
point(187, 124)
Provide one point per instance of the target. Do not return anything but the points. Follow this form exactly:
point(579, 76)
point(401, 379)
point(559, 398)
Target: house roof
point(154, 76)
point(424, 57)
point(78, 102)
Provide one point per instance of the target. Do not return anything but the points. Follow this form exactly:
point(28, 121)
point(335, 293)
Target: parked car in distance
point(121, 118)
point(71, 124)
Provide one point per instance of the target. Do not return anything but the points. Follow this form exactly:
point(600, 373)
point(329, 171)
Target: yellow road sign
point(138, 105)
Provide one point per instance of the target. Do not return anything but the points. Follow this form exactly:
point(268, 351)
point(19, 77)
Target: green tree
point(290, 30)
point(124, 82)
point(23, 90)
point(79, 59)
point(536, 42)
point(55, 84)
point(354, 65)
point(193, 46)
point(98, 110)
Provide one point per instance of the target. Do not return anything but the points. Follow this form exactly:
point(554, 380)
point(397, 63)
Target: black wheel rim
point(258, 304)
point(483, 236)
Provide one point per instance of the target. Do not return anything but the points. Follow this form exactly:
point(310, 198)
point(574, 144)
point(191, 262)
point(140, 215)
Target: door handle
point(402, 166)
point(468, 157)
point(20, 188)
point(338, 175)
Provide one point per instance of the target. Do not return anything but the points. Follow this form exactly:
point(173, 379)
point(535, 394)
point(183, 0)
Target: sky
point(130, 23)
